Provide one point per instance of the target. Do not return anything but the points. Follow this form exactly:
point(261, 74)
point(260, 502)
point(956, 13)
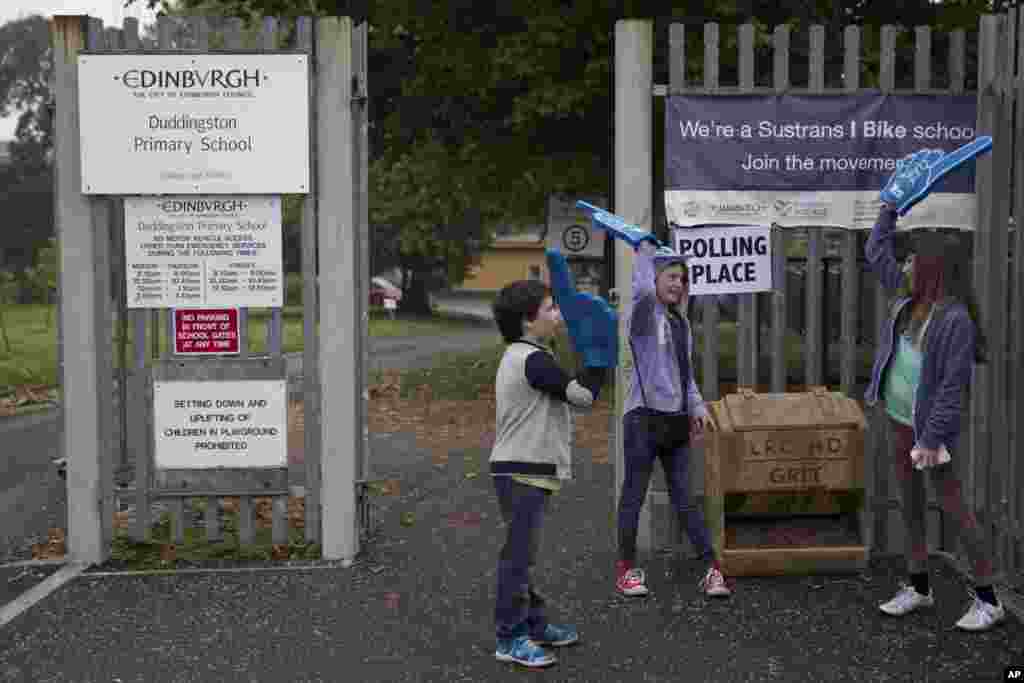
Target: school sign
point(194, 124)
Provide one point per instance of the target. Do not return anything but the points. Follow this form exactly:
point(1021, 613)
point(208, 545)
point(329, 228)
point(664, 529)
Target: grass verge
point(32, 334)
point(159, 552)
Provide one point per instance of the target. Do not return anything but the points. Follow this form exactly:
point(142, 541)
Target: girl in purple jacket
point(921, 376)
point(663, 413)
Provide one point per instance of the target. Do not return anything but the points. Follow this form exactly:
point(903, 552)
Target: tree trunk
point(416, 295)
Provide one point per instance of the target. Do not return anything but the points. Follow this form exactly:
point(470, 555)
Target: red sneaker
point(714, 585)
point(629, 580)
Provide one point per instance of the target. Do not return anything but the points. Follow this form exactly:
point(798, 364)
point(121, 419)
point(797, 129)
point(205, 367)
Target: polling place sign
point(232, 424)
point(193, 124)
point(727, 260)
point(816, 160)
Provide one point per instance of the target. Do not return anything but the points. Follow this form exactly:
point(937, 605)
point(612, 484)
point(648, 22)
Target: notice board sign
point(569, 229)
point(199, 331)
point(220, 424)
point(194, 124)
point(203, 252)
point(727, 260)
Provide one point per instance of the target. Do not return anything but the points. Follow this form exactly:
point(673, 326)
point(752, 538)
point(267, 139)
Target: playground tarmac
point(418, 606)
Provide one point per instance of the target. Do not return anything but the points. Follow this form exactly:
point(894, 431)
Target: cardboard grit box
point(784, 483)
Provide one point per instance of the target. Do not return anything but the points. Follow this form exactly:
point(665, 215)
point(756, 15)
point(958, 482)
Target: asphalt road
point(419, 606)
point(32, 496)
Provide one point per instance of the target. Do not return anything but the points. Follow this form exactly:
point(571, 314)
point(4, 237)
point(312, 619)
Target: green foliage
point(293, 289)
point(42, 277)
point(26, 67)
point(9, 287)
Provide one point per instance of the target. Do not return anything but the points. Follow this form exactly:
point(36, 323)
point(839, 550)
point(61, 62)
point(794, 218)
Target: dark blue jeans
point(519, 609)
point(640, 452)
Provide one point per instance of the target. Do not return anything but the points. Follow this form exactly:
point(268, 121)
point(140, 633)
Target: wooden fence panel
point(851, 312)
point(748, 327)
point(709, 323)
point(1015, 475)
point(993, 506)
point(310, 312)
point(888, 533)
point(977, 464)
point(986, 464)
point(815, 237)
point(780, 237)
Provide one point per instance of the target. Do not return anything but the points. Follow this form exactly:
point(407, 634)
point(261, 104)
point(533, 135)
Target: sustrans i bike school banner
point(810, 160)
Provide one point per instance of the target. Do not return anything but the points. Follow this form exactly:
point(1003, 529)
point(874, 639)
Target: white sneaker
point(981, 616)
point(713, 584)
point(906, 601)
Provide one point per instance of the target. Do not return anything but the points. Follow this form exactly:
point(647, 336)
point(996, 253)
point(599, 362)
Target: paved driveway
point(33, 498)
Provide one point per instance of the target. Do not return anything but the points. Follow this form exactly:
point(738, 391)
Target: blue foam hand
point(593, 325)
point(616, 226)
point(920, 171)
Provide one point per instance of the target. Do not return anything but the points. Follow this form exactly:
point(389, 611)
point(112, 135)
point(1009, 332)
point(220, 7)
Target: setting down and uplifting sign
point(233, 424)
point(727, 260)
point(203, 252)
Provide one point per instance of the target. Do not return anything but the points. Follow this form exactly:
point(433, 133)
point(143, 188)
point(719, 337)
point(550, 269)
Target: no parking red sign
point(205, 330)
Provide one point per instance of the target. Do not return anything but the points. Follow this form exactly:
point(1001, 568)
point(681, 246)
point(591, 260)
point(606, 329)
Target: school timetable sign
point(196, 252)
point(194, 124)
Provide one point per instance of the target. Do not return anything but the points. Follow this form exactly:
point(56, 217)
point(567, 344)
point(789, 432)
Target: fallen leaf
point(464, 519)
point(407, 519)
point(122, 519)
point(168, 552)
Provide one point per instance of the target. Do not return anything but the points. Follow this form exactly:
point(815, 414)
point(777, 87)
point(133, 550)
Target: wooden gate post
point(634, 55)
point(341, 304)
point(85, 315)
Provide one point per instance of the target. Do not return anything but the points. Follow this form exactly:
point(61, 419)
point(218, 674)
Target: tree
point(446, 108)
point(42, 277)
point(26, 66)
point(26, 204)
point(480, 111)
point(26, 185)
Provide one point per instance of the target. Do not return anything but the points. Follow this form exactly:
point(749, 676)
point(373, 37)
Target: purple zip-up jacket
point(949, 346)
point(657, 362)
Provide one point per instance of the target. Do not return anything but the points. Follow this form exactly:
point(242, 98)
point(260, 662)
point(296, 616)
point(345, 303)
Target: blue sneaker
point(558, 636)
point(524, 651)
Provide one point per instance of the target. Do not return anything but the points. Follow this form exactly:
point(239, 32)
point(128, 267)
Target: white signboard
point(194, 124)
point(727, 260)
point(570, 230)
point(203, 252)
point(202, 425)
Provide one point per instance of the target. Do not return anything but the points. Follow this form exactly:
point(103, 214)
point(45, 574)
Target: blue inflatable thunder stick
point(919, 172)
